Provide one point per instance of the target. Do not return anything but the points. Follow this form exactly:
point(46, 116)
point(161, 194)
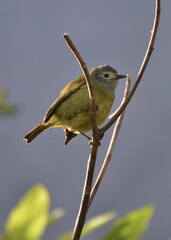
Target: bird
point(71, 110)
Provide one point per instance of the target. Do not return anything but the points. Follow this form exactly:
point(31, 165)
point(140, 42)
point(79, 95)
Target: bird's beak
point(120, 76)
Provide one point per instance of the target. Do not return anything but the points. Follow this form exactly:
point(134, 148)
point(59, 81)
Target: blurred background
point(36, 64)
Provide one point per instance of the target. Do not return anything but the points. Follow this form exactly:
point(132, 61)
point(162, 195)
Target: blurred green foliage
point(55, 215)
point(6, 107)
point(91, 225)
point(132, 226)
point(29, 219)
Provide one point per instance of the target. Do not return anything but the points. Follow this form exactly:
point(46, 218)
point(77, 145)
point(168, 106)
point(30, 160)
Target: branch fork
point(88, 194)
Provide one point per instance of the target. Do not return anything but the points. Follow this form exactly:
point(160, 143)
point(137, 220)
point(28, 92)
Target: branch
point(111, 145)
point(89, 85)
point(141, 71)
point(94, 147)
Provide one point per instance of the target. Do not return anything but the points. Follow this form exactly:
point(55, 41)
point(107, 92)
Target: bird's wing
point(71, 88)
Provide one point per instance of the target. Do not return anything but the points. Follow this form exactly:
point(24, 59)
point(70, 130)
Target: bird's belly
point(82, 121)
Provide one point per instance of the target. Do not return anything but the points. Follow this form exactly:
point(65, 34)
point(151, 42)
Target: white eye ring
point(106, 75)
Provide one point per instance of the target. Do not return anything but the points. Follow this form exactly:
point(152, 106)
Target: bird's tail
point(35, 132)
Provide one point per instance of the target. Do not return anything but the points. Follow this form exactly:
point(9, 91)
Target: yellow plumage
point(71, 109)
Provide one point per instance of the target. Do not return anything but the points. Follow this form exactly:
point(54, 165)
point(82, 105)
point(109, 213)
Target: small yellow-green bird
point(71, 109)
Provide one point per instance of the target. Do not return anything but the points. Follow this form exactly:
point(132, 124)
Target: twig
point(94, 147)
point(111, 145)
point(141, 71)
point(89, 85)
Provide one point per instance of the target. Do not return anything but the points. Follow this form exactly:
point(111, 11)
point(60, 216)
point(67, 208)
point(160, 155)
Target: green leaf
point(28, 219)
point(92, 225)
point(131, 226)
point(55, 215)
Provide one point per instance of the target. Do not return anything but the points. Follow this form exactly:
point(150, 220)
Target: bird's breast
point(104, 102)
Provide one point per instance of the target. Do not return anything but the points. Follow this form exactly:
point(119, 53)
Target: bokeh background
point(36, 64)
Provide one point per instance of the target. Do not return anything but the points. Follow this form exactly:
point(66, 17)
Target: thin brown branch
point(111, 145)
point(89, 85)
point(79, 224)
point(141, 71)
point(94, 147)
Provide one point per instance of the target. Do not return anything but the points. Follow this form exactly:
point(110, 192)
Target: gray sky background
point(36, 64)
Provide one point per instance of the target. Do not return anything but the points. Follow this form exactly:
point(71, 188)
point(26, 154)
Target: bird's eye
point(106, 75)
